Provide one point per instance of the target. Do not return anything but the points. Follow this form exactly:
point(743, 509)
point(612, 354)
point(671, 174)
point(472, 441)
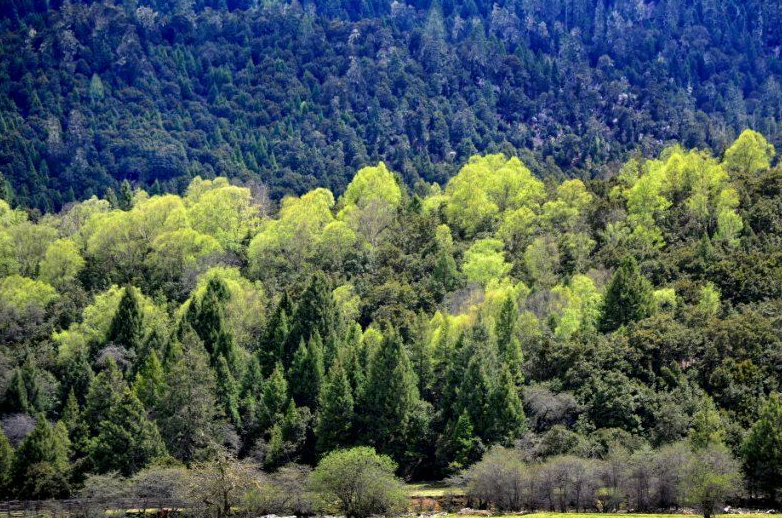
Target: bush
point(358, 482)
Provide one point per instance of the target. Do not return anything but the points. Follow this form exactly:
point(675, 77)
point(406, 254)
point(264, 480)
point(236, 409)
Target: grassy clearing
point(432, 489)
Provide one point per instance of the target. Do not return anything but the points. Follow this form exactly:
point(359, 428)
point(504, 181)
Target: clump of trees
point(431, 325)
point(671, 477)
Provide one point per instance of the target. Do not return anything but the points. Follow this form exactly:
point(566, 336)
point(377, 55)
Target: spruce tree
point(316, 312)
point(149, 383)
point(125, 196)
point(463, 446)
point(77, 375)
point(188, 414)
point(227, 391)
point(272, 342)
point(505, 410)
point(390, 399)
point(275, 397)
point(335, 421)
point(629, 297)
point(128, 440)
point(207, 318)
point(508, 345)
point(127, 326)
point(762, 448)
point(15, 399)
point(6, 464)
point(105, 393)
point(306, 372)
point(40, 467)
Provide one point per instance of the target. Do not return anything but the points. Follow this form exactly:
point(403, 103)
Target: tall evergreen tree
point(227, 391)
point(508, 344)
point(207, 318)
point(127, 326)
point(629, 297)
point(149, 383)
point(128, 440)
point(105, 393)
point(6, 464)
point(505, 408)
point(390, 400)
point(335, 420)
point(275, 397)
point(306, 372)
point(271, 345)
point(315, 312)
point(762, 448)
point(188, 415)
point(15, 399)
point(40, 467)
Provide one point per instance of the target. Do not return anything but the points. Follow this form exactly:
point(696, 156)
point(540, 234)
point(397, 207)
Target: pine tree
point(40, 467)
point(508, 344)
point(275, 397)
point(762, 448)
point(208, 320)
point(227, 392)
point(15, 399)
point(474, 394)
point(77, 375)
point(306, 372)
point(127, 326)
point(390, 399)
point(463, 446)
point(271, 345)
point(335, 421)
point(507, 414)
point(707, 425)
point(6, 464)
point(629, 297)
point(188, 417)
point(316, 312)
point(125, 196)
point(104, 394)
point(71, 414)
point(128, 440)
point(149, 383)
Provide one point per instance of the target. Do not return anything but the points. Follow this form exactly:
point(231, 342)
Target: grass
point(432, 489)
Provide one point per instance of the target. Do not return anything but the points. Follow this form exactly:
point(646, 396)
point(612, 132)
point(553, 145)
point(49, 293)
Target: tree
point(127, 440)
point(358, 483)
point(749, 154)
point(127, 326)
point(227, 391)
point(508, 344)
point(389, 402)
point(105, 393)
point(629, 297)
point(707, 426)
point(208, 320)
point(216, 488)
point(188, 410)
point(40, 467)
point(6, 465)
point(306, 372)
point(335, 421)
point(762, 448)
point(711, 476)
point(149, 383)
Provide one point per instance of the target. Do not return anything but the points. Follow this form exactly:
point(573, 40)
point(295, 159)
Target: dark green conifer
point(629, 297)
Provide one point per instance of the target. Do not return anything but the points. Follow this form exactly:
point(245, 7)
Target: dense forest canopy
point(300, 95)
point(558, 317)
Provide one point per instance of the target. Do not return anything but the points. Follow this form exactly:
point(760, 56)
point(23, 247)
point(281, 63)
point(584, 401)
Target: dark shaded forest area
point(301, 95)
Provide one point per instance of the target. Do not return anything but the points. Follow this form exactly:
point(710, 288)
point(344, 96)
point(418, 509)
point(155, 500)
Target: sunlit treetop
point(373, 183)
point(750, 153)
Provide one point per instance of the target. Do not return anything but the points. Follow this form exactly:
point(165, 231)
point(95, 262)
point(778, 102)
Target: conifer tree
point(15, 399)
point(6, 463)
point(127, 326)
point(508, 345)
point(463, 447)
point(629, 297)
point(306, 372)
point(275, 397)
point(188, 414)
point(149, 383)
point(40, 467)
point(125, 196)
point(335, 421)
point(105, 393)
point(762, 448)
point(390, 400)
point(474, 396)
point(128, 440)
point(77, 375)
point(227, 391)
point(707, 427)
point(272, 342)
point(208, 320)
point(316, 311)
point(71, 413)
point(505, 408)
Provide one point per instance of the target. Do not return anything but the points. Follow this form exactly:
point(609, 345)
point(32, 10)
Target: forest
point(578, 325)
point(299, 95)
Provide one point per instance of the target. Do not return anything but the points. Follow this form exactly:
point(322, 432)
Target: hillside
point(296, 96)
point(594, 319)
